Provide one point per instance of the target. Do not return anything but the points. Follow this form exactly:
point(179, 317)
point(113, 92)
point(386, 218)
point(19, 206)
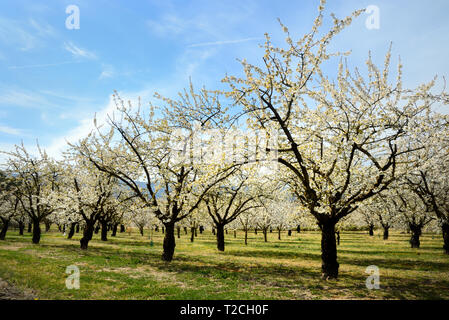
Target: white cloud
point(11, 131)
point(78, 52)
point(21, 98)
point(107, 72)
point(13, 33)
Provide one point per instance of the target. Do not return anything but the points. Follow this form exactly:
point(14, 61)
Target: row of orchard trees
point(346, 143)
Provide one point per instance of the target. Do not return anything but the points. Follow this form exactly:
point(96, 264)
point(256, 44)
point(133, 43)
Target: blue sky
point(53, 80)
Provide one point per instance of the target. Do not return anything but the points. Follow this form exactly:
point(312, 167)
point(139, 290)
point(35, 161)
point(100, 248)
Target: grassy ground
point(128, 267)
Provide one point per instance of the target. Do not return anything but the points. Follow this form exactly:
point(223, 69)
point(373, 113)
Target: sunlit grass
point(128, 267)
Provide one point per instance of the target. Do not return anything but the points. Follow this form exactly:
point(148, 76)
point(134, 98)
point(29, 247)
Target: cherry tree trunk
point(220, 237)
point(192, 234)
point(169, 242)
point(71, 231)
point(265, 239)
point(246, 237)
point(371, 230)
point(329, 266)
point(87, 235)
point(47, 226)
point(279, 234)
point(21, 228)
point(30, 227)
point(104, 231)
point(386, 232)
point(4, 229)
point(114, 230)
point(178, 229)
point(445, 229)
point(414, 239)
point(36, 232)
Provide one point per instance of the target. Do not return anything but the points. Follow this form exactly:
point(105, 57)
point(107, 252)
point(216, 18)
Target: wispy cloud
point(216, 43)
point(78, 52)
point(11, 96)
point(11, 131)
point(107, 72)
point(14, 34)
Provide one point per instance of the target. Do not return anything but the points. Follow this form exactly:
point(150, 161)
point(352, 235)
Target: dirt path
point(10, 292)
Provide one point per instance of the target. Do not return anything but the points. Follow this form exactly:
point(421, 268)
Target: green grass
point(127, 267)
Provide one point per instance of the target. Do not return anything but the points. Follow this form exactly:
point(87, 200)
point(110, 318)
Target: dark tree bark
point(220, 237)
point(30, 227)
point(122, 228)
point(371, 229)
point(192, 234)
point(255, 231)
point(163, 230)
point(47, 225)
point(178, 229)
point(289, 233)
point(246, 237)
point(71, 230)
point(169, 242)
point(265, 239)
point(77, 229)
point(298, 228)
point(114, 230)
point(196, 232)
point(21, 227)
point(279, 234)
point(141, 230)
point(329, 267)
point(386, 232)
point(104, 231)
point(235, 234)
point(416, 231)
point(97, 229)
point(213, 231)
point(36, 232)
point(445, 229)
point(185, 230)
point(4, 229)
point(87, 235)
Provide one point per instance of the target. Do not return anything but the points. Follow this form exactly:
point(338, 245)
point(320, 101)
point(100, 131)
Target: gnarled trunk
point(71, 230)
point(87, 235)
point(21, 228)
point(445, 229)
point(114, 230)
point(47, 225)
point(169, 242)
point(416, 233)
point(386, 232)
point(104, 231)
point(220, 237)
point(4, 229)
point(329, 266)
point(36, 232)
